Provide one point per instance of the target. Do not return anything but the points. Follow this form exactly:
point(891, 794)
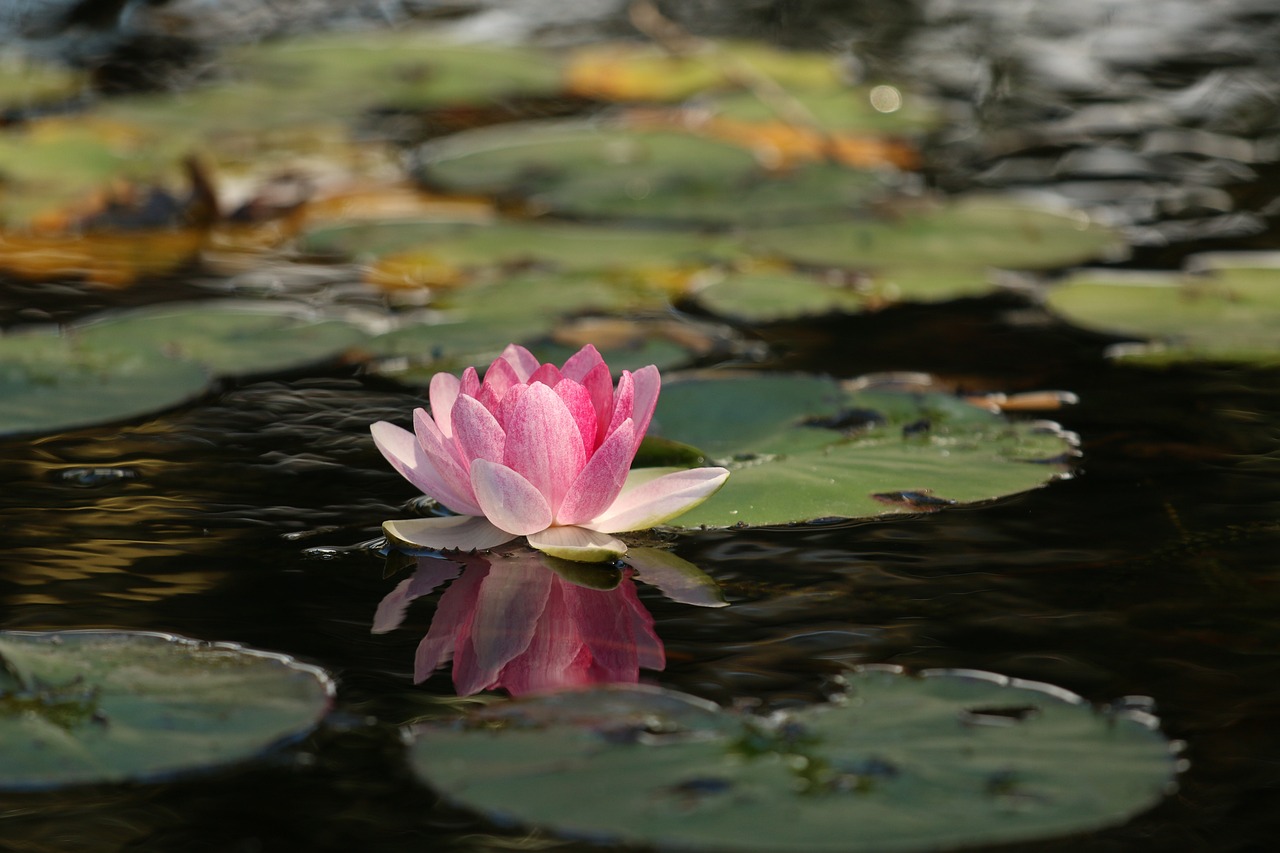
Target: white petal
point(461, 532)
point(577, 543)
point(659, 500)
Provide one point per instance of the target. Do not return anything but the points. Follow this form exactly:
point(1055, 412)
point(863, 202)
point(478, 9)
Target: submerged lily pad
point(86, 707)
point(586, 171)
point(803, 448)
point(946, 760)
point(49, 382)
point(1228, 311)
point(229, 338)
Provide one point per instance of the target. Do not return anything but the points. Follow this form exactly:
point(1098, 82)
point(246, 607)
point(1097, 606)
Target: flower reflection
point(526, 622)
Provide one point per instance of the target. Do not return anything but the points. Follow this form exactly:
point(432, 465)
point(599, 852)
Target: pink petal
point(547, 374)
point(509, 403)
point(521, 359)
point(470, 382)
point(444, 390)
point(508, 500)
point(601, 479)
point(543, 444)
point(451, 533)
point(599, 384)
point(498, 379)
point(578, 544)
point(606, 631)
point(446, 460)
point(659, 500)
point(451, 623)
point(582, 362)
point(623, 400)
point(476, 432)
point(577, 400)
point(647, 384)
point(409, 458)
point(512, 598)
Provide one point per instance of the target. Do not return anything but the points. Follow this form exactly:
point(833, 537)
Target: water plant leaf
point(656, 176)
point(228, 337)
point(939, 251)
point(569, 246)
point(101, 706)
point(1229, 310)
point(804, 447)
point(49, 382)
point(945, 760)
point(677, 578)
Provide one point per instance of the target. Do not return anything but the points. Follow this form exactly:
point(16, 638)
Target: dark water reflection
point(1152, 572)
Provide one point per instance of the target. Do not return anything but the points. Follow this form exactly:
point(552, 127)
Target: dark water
point(1151, 572)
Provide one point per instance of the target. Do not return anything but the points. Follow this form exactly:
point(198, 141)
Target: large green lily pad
point(659, 176)
point(941, 251)
point(941, 761)
point(1228, 311)
point(803, 448)
point(564, 245)
point(86, 707)
point(49, 382)
point(228, 337)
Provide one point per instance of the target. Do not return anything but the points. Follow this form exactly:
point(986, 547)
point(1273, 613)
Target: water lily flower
point(540, 452)
point(510, 622)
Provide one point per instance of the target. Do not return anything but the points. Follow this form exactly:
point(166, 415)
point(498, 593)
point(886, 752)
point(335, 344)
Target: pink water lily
point(540, 452)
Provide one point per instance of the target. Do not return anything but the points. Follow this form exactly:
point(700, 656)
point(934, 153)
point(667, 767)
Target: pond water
point(253, 514)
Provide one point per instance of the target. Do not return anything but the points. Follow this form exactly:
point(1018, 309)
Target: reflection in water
point(513, 621)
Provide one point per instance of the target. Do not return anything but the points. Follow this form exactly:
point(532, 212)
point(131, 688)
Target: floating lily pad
point(229, 338)
point(646, 72)
point(657, 176)
point(565, 246)
point(774, 292)
point(1228, 312)
point(85, 707)
point(940, 252)
point(802, 448)
point(946, 760)
point(27, 82)
point(476, 322)
point(49, 383)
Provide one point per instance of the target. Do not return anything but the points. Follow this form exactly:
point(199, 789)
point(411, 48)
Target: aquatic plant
point(540, 452)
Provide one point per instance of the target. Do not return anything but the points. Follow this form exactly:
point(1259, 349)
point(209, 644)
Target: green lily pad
point(49, 383)
point(599, 172)
point(477, 321)
point(763, 295)
point(940, 252)
point(803, 448)
point(945, 760)
point(26, 82)
point(1230, 311)
point(867, 109)
point(566, 246)
point(229, 338)
point(86, 707)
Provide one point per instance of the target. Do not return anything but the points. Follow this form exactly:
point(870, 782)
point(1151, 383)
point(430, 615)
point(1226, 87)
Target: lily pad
point(802, 448)
point(563, 245)
point(49, 382)
point(601, 172)
point(86, 707)
point(1229, 311)
point(945, 760)
point(774, 292)
point(228, 337)
point(477, 321)
point(940, 252)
